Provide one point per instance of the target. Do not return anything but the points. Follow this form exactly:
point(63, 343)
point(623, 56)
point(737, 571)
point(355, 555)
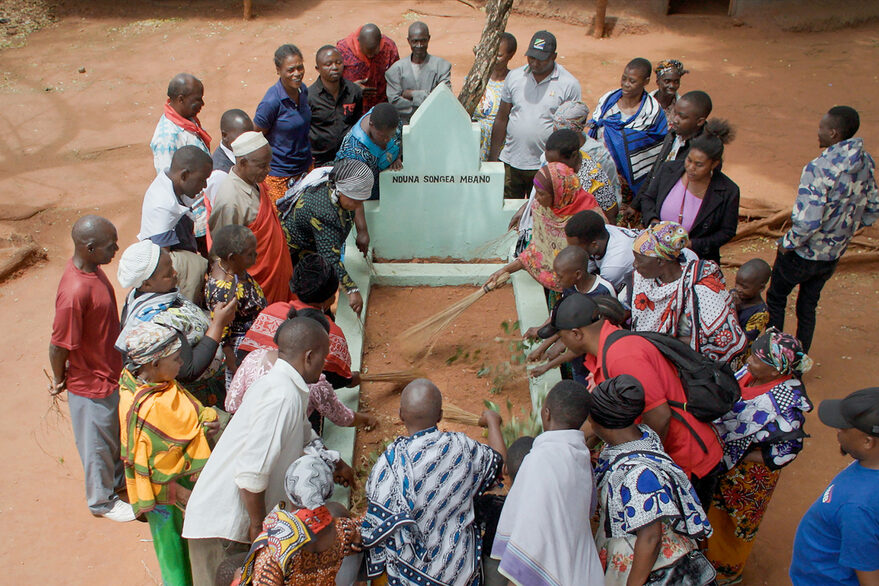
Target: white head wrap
point(248, 142)
point(138, 263)
point(353, 179)
point(309, 480)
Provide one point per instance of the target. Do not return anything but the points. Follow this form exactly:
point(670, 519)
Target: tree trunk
point(600, 14)
point(248, 9)
point(496, 14)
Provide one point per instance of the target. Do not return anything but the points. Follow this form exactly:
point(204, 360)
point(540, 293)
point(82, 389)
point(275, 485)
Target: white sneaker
point(121, 512)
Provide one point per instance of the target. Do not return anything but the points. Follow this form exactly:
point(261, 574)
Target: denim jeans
point(789, 271)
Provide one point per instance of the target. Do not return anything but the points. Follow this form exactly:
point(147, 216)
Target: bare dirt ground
point(76, 142)
point(474, 360)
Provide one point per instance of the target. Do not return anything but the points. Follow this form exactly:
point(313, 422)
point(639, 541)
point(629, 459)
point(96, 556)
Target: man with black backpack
point(691, 443)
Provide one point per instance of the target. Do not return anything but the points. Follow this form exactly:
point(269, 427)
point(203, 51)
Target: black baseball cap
point(860, 410)
point(574, 311)
point(542, 45)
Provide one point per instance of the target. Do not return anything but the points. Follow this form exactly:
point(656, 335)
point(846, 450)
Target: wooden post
point(248, 9)
point(496, 14)
point(600, 14)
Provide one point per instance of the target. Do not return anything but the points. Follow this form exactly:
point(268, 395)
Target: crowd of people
point(200, 409)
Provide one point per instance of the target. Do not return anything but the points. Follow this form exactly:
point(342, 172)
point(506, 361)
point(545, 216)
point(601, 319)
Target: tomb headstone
point(444, 202)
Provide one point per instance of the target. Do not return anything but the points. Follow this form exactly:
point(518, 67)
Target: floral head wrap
point(148, 341)
point(665, 240)
point(561, 181)
point(573, 115)
point(309, 484)
point(669, 66)
point(782, 351)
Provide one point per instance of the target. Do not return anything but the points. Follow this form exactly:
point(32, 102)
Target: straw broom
point(396, 376)
point(455, 414)
point(421, 338)
point(490, 245)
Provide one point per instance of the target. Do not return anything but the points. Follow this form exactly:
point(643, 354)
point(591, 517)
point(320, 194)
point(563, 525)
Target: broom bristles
point(455, 414)
point(421, 338)
point(396, 376)
point(491, 245)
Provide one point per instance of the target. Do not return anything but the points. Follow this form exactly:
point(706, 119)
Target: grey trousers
point(206, 555)
point(96, 430)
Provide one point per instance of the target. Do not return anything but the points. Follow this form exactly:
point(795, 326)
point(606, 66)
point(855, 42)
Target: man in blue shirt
point(837, 541)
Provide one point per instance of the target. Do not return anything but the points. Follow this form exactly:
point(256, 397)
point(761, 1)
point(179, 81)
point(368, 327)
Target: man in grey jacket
point(411, 79)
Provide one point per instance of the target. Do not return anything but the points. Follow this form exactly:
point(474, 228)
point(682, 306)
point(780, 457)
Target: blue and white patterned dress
point(771, 420)
point(638, 485)
point(419, 524)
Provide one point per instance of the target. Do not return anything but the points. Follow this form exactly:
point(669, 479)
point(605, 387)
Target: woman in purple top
point(696, 194)
point(284, 117)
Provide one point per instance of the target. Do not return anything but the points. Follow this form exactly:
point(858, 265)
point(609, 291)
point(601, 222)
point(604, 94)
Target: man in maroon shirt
point(367, 54)
point(85, 363)
point(692, 444)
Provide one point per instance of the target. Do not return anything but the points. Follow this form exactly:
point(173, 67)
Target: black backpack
point(710, 387)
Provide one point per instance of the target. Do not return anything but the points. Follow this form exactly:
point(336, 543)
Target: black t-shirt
point(332, 118)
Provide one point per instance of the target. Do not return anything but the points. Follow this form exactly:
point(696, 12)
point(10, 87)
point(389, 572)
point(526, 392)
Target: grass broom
point(421, 338)
point(491, 245)
point(396, 376)
point(455, 414)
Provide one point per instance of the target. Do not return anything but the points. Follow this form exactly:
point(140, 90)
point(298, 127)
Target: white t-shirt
point(533, 105)
point(268, 433)
point(618, 260)
point(216, 177)
point(161, 211)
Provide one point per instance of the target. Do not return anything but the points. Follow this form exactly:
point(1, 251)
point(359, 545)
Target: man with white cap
point(167, 217)
point(243, 199)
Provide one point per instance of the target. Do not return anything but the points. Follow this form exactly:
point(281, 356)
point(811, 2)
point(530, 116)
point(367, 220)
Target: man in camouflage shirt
point(836, 198)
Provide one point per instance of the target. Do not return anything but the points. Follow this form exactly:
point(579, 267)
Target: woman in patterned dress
point(486, 110)
point(672, 294)
point(234, 251)
point(318, 215)
point(303, 543)
point(762, 434)
point(650, 518)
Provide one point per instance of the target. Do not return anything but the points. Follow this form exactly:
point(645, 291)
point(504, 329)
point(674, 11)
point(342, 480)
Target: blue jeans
point(789, 271)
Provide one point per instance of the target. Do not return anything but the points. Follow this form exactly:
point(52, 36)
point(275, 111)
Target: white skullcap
point(138, 263)
point(248, 142)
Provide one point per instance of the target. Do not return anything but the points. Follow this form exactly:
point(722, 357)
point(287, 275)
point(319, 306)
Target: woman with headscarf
point(164, 441)
point(575, 115)
point(650, 518)
point(683, 298)
point(314, 285)
point(303, 544)
point(148, 271)
point(668, 81)
point(317, 216)
point(558, 196)
point(761, 434)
